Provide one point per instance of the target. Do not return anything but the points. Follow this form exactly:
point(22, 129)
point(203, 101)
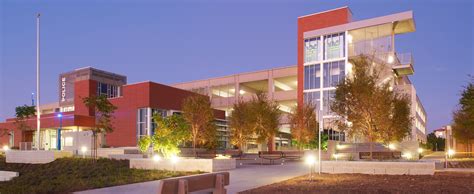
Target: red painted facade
point(134, 96)
point(314, 22)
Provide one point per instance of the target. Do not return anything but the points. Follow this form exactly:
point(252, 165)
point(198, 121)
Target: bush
point(144, 144)
point(67, 175)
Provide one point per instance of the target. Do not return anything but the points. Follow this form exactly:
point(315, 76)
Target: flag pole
point(38, 112)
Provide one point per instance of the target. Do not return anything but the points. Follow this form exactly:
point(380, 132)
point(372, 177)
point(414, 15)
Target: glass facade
point(326, 60)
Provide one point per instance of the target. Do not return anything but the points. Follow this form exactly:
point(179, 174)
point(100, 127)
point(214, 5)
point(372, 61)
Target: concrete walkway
point(243, 178)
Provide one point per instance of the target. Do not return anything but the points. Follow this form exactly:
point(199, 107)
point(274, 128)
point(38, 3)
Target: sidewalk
point(243, 178)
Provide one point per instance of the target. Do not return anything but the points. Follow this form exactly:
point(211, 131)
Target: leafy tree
point(170, 132)
point(303, 124)
point(22, 114)
point(313, 142)
point(435, 143)
point(200, 116)
point(239, 124)
point(103, 110)
point(209, 138)
point(264, 119)
point(375, 111)
point(463, 117)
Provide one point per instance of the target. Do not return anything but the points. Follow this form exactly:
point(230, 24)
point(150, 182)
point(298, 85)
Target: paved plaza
point(243, 178)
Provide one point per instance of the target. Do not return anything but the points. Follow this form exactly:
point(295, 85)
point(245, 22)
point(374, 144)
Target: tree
point(264, 119)
point(144, 144)
point(23, 113)
point(170, 132)
point(239, 124)
point(198, 113)
point(103, 110)
point(303, 124)
point(375, 111)
point(435, 143)
point(463, 117)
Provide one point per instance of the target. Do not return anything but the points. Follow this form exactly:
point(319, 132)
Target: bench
point(271, 156)
point(183, 185)
point(293, 155)
point(206, 154)
point(234, 153)
point(381, 155)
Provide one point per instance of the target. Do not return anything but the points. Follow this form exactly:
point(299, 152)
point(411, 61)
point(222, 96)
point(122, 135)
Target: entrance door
point(27, 136)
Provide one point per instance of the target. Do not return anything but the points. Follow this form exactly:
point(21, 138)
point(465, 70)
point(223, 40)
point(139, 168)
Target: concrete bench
point(234, 153)
point(293, 155)
point(183, 185)
point(271, 156)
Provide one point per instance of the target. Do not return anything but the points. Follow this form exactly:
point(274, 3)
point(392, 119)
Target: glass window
point(334, 72)
point(311, 97)
point(334, 46)
point(312, 48)
point(312, 76)
point(108, 90)
point(142, 115)
point(328, 97)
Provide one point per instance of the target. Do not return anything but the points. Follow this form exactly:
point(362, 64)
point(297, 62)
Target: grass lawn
point(441, 182)
point(75, 174)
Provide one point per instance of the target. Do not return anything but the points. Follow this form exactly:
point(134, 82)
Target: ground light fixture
point(174, 160)
point(83, 150)
point(310, 160)
point(156, 158)
point(391, 146)
point(451, 152)
point(420, 150)
point(408, 156)
point(6, 148)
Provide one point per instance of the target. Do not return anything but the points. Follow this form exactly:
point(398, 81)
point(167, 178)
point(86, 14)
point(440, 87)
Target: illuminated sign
point(63, 89)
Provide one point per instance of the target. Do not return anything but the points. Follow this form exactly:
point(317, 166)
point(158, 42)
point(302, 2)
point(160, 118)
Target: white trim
point(319, 89)
point(326, 11)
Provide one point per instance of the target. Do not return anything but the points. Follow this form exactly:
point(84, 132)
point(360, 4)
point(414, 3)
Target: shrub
point(144, 144)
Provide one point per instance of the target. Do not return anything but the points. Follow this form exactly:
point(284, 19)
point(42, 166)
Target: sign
point(63, 89)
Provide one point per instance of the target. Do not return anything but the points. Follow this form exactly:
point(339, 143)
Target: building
point(440, 133)
point(136, 103)
point(326, 42)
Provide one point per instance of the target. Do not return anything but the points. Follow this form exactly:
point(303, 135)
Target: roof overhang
point(403, 23)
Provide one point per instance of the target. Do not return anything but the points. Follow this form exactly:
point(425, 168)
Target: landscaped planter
point(185, 164)
point(374, 167)
point(35, 156)
point(7, 175)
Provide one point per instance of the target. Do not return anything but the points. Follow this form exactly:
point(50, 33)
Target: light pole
point(60, 116)
point(38, 112)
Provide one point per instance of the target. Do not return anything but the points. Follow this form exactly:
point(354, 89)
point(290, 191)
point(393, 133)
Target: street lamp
point(6, 148)
point(60, 116)
point(84, 150)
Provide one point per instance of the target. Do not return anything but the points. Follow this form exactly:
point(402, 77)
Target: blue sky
point(175, 41)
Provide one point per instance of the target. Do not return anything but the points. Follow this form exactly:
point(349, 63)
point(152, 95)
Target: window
point(142, 118)
point(312, 48)
point(312, 76)
point(328, 97)
point(334, 46)
point(108, 90)
point(333, 73)
point(312, 97)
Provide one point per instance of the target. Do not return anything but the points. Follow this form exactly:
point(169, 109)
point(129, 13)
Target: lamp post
point(60, 116)
point(38, 112)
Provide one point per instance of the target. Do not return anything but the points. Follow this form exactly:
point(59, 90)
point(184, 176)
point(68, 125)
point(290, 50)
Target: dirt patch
point(443, 182)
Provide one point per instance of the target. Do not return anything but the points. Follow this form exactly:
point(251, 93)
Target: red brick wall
point(141, 95)
point(314, 22)
point(82, 89)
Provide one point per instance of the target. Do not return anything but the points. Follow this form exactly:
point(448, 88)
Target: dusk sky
point(176, 41)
